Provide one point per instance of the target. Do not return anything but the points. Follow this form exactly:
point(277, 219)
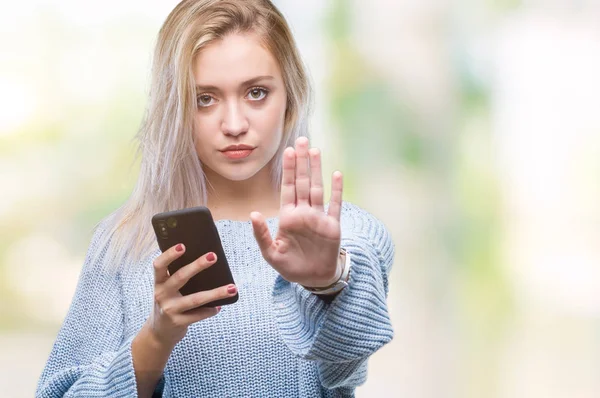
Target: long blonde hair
point(171, 175)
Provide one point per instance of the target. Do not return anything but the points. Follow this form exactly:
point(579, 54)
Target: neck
point(235, 200)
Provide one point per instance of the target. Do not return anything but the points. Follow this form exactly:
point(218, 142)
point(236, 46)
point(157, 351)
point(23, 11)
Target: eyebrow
point(200, 87)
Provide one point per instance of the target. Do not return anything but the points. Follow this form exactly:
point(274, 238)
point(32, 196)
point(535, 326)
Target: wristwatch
point(340, 283)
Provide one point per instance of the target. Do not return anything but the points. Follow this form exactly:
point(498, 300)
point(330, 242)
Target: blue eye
point(204, 100)
point(257, 93)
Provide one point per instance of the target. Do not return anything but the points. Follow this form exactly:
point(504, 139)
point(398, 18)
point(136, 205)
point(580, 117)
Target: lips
point(238, 151)
point(239, 147)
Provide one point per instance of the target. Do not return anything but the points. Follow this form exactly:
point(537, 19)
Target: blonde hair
point(171, 175)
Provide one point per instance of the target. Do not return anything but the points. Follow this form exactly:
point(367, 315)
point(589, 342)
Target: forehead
point(233, 59)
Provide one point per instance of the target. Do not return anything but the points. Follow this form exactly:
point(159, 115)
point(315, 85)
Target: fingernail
point(218, 308)
point(210, 256)
point(231, 289)
point(179, 247)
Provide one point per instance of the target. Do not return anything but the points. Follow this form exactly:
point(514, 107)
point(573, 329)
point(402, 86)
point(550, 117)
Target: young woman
point(226, 128)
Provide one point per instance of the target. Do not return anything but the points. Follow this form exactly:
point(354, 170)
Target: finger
point(335, 203)
point(261, 234)
point(302, 177)
point(288, 180)
point(185, 273)
point(198, 314)
point(316, 179)
point(161, 263)
point(191, 301)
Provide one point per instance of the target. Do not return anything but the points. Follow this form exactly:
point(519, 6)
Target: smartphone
point(196, 229)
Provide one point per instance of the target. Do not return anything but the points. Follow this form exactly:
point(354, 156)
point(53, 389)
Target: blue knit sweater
point(278, 340)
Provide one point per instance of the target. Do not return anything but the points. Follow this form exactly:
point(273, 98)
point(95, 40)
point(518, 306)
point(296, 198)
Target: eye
point(257, 93)
point(204, 100)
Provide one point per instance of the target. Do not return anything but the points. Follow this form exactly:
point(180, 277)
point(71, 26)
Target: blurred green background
point(470, 128)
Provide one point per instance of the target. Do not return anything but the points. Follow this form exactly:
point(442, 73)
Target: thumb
point(261, 233)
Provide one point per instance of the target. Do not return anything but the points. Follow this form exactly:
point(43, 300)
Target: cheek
point(203, 126)
point(270, 119)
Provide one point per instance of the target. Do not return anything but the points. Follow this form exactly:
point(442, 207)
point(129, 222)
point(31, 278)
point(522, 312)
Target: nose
point(234, 121)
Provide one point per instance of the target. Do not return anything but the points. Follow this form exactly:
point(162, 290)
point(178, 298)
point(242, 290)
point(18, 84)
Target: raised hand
point(306, 248)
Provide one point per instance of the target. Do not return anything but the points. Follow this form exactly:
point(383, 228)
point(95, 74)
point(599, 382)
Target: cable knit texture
point(278, 340)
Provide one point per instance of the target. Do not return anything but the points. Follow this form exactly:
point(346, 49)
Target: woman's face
point(241, 100)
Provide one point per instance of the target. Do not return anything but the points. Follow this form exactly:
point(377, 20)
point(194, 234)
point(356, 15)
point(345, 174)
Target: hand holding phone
point(173, 312)
point(195, 228)
point(192, 278)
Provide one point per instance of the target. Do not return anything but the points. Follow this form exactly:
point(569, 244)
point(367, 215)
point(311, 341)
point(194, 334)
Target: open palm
point(307, 244)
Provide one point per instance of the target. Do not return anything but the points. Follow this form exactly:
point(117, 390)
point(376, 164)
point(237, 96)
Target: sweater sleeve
point(90, 356)
point(341, 335)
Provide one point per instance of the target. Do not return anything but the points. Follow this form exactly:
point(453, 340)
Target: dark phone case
point(198, 232)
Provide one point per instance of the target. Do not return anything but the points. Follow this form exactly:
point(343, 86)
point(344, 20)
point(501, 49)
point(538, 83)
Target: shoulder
point(355, 217)
point(101, 234)
point(99, 248)
point(357, 222)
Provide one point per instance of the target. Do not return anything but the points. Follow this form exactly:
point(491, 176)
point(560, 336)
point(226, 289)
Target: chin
point(238, 176)
point(238, 173)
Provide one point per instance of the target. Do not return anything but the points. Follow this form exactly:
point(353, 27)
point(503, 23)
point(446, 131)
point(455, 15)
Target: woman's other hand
point(307, 245)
